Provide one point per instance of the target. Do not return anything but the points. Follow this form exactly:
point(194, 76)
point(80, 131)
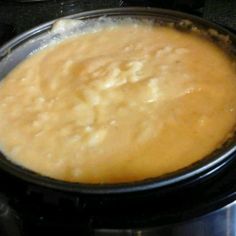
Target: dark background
point(22, 15)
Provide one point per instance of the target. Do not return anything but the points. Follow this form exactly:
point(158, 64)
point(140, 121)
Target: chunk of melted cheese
point(121, 104)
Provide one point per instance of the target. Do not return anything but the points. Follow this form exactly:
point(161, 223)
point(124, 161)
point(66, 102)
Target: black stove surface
point(205, 210)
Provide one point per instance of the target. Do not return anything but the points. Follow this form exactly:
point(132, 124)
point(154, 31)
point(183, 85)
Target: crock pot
point(20, 47)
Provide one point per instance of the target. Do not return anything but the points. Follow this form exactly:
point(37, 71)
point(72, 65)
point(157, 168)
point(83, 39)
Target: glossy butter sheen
point(124, 103)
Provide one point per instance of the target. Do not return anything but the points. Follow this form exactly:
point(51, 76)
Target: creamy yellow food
point(124, 103)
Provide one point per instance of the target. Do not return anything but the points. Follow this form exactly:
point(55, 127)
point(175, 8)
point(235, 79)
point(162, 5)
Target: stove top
point(209, 209)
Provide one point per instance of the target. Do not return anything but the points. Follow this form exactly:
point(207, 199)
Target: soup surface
point(123, 103)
